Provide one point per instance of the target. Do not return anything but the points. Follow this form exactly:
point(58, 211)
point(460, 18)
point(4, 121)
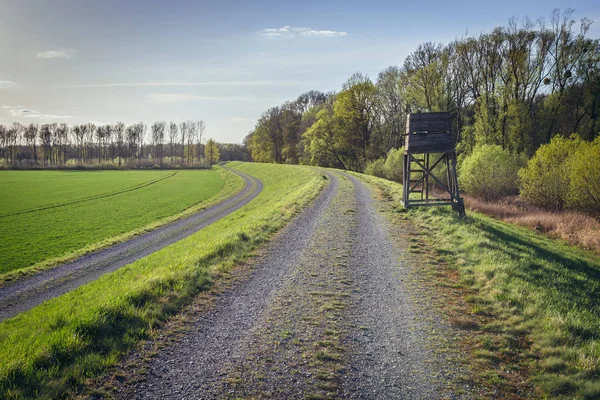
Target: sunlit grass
point(51, 349)
point(528, 285)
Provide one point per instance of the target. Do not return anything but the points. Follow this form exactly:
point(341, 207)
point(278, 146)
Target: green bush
point(394, 164)
point(376, 168)
point(584, 190)
point(546, 179)
point(490, 172)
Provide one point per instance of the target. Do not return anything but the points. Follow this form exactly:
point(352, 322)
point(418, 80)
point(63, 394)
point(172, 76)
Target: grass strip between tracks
point(51, 350)
point(530, 307)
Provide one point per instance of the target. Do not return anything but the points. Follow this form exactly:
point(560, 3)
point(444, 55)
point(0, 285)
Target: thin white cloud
point(184, 97)
point(23, 112)
point(290, 32)
point(7, 84)
point(312, 32)
point(180, 84)
point(60, 53)
point(271, 34)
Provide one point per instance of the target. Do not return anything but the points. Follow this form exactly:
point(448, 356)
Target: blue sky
point(224, 62)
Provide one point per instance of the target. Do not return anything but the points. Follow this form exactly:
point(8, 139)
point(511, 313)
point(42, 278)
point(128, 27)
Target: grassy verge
point(231, 185)
point(50, 350)
point(532, 302)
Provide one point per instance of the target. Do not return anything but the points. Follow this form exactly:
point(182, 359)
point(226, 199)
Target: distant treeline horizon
point(59, 145)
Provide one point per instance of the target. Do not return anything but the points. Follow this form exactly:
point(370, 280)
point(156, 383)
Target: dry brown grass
point(574, 227)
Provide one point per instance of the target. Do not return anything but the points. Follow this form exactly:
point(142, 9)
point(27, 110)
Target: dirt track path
point(325, 313)
point(29, 292)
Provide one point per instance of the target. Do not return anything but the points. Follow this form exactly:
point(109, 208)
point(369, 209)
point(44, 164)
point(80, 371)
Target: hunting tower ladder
point(429, 137)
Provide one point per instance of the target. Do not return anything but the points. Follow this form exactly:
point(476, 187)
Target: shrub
point(490, 172)
point(376, 168)
point(394, 164)
point(545, 181)
point(584, 190)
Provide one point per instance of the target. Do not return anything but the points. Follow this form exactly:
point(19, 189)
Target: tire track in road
point(29, 292)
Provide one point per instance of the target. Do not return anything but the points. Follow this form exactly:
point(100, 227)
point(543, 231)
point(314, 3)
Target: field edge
point(233, 184)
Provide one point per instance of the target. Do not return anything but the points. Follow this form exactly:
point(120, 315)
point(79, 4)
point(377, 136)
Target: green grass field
point(49, 351)
point(539, 298)
point(47, 214)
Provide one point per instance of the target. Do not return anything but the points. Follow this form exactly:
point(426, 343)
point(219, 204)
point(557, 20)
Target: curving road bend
point(29, 292)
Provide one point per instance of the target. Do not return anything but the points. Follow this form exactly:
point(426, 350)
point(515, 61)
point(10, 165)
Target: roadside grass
point(533, 302)
point(101, 208)
point(49, 351)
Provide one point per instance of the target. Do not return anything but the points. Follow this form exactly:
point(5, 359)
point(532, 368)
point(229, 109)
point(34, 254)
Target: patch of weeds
point(324, 355)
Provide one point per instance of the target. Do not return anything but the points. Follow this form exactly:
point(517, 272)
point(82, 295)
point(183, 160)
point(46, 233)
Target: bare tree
point(183, 129)
point(90, 130)
point(158, 137)
point(3, 141)
point(108, 141)
point(46, 141)
point(103, 132)
point(12, 137)
point(130, 136)
point(172, 137)
point(140, 133)
point(192, 132)
point(201, 128)
point(61, 135)
point(30, 135)
point(119, 135)
point(161, 140)
point(79, 133)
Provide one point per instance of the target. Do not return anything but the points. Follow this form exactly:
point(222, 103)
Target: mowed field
point(48, 214)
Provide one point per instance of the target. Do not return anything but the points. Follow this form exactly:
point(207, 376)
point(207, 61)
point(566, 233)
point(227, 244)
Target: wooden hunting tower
point(429, 137)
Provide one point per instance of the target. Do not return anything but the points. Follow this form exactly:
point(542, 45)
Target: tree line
point(515, 87)
point(110, 145)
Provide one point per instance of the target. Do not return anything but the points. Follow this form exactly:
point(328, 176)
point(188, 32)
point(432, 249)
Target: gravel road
point(325, 313)
point(29, 292)
point(390, 356)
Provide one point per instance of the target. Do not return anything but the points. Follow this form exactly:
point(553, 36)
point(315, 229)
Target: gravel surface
point(293, 350)
point(391, 354)
point(189, 369)
point(328, 311)
point(34, 290)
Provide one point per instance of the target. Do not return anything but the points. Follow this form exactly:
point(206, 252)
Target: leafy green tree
point(320, 141)
point(425, 72)
point(392, 109)
point(211, 152)
point(355, 111)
